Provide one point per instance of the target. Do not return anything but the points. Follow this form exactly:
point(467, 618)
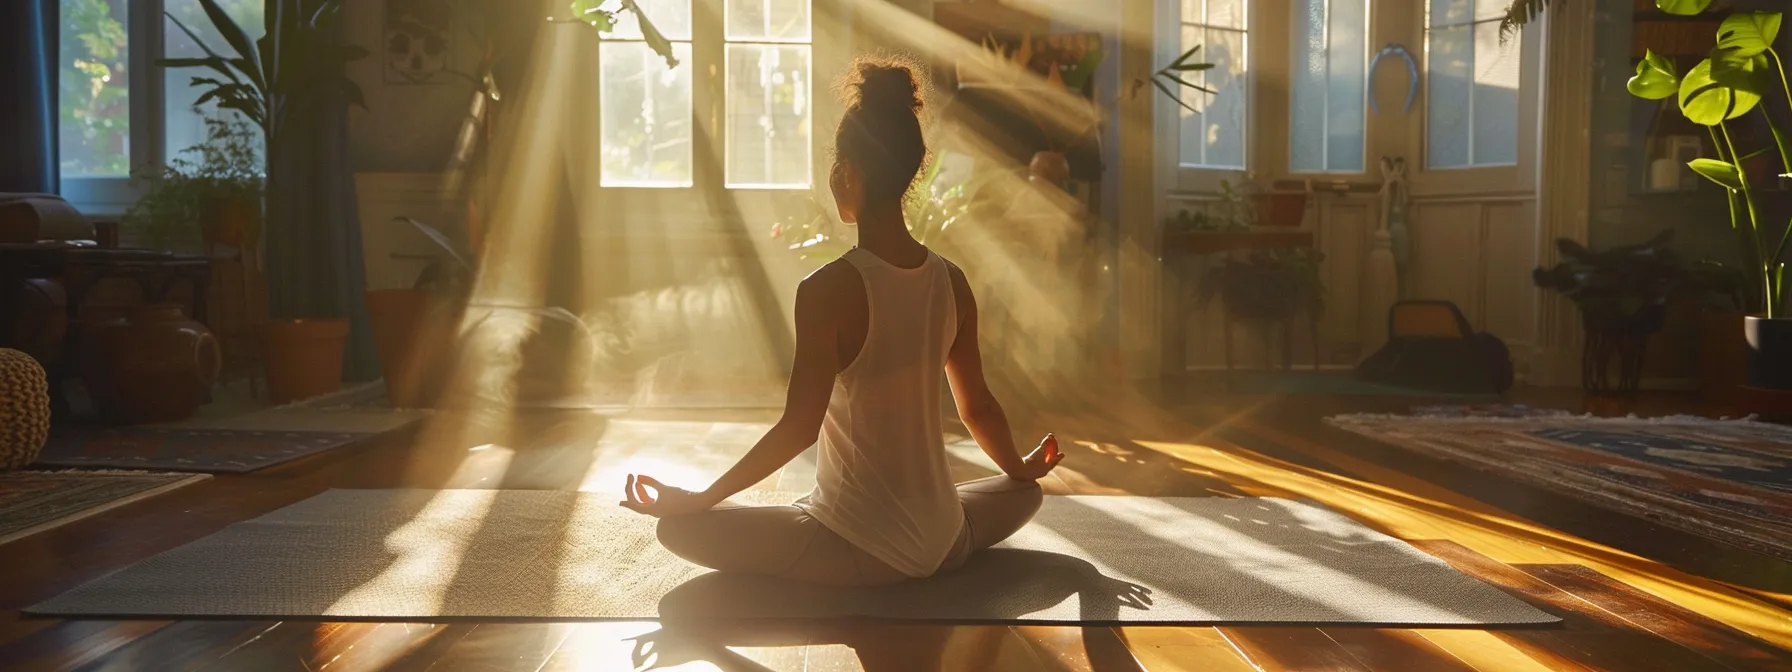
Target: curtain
point(312, 241)
point(28, 70)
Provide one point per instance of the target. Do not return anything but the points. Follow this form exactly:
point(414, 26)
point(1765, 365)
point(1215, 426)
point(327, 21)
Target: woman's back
point(882, 480)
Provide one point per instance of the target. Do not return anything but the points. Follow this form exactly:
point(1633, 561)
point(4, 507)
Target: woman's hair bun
point(884, 86)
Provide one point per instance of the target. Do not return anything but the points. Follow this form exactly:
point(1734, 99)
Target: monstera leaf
point(1656, 78)
point(1706, 101)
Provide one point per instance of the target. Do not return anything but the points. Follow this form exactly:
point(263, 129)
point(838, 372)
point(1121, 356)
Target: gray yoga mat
point(542, 555)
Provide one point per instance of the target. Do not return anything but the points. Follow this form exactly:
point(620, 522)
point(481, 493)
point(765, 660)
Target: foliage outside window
point(94, 106)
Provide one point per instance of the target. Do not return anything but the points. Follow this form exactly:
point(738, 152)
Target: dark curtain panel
point(312, 243)
point(28, 52)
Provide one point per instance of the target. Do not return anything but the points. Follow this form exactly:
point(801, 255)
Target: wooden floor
point(1633, 595)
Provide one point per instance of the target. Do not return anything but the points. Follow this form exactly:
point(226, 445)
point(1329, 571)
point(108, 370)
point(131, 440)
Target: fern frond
point(1520, 13)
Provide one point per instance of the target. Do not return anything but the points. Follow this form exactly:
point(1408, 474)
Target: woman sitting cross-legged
point(874, 330)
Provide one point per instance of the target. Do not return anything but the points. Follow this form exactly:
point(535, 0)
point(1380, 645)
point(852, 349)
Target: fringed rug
point(34, 501)
point(1729, 480)
point(232, 451)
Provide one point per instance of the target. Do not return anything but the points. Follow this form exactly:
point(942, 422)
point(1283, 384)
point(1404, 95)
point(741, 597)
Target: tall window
point(95, 120)
point(183, 125)
point(94, 89)
point(768, 53)
point(647, 116)
point(1471, 85)
point(1328, 77)
point(1214, 137)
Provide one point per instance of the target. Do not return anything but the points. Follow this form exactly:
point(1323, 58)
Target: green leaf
point(1165, 88)
point(1748, 34)
point(188, 62)
point(1655, 78)
point(1708, 102)
point(1721, 172)
point(651, 34)
point(1185, 56)
point(237, 39)
point(1683, 7)
point(1192, 67)
point(1186, 83)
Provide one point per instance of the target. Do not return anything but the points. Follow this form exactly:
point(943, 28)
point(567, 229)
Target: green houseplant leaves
point(1706, 101)
point(1748, 34)
point(1656, 78)
point(1721, 172)
point(1683, 7)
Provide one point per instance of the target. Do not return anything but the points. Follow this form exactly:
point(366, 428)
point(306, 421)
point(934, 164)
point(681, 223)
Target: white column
point(1562, 195)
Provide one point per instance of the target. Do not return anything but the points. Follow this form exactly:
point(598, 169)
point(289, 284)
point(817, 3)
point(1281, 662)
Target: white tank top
point(882, 480)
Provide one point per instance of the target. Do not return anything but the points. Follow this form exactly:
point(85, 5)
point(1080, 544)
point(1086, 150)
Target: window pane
point(671, 17)
point(1451, 12)
point(1448, 96)
point(1496, 97)
point(768, 115)
point(184, 126)
point(1215, 137)
point(645, 116)
point(768, 20)
point(1224, 14)
point(1326, 112)
point(94, 104)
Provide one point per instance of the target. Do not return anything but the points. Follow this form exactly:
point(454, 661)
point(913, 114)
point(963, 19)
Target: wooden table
point(79, 269)
point(1180, 250)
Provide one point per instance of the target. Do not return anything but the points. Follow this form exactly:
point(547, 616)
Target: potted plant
point(1741, 72)
point(179, 207)
point(1266, 284)
point(414, 327)
point(1622, 294)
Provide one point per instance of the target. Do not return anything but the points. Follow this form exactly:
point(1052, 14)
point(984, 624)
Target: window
point(768, 55)
point(183, 125)
point(647, 114)
point(1471, 85)
point(94, 96)
point(102, 135)
point(1327, 80)
point(1214, 137)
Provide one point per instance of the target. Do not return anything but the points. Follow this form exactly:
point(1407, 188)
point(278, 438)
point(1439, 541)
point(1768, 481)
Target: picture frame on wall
point(415, 41)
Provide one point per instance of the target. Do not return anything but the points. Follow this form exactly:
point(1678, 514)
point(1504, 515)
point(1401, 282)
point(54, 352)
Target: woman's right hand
point(1041, 461)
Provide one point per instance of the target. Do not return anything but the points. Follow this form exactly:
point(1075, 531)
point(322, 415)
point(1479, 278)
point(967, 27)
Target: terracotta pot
point(1049, 167)
point(413, 330)
point(304, 357)
point(153, 365)
point(231, 222)
point(1285, 210)
point(1723, 353)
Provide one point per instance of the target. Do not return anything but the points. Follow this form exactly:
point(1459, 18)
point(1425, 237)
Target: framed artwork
point(415, 41)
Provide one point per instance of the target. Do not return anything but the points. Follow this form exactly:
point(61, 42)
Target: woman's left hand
point(651, 497)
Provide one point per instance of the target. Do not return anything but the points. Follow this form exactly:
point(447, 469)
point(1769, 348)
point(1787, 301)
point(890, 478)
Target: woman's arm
point(977, 405)
point(806, 403)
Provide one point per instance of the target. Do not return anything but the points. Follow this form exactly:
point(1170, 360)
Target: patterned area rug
point(34, 501)
point(1729, 480)
point(180, 449)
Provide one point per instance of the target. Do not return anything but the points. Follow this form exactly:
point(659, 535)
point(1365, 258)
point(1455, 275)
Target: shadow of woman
point(905, 626)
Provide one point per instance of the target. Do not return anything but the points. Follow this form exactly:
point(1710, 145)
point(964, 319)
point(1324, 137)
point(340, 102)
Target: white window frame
point(709, 99)
point(1287, 114)
point(108, 197)
point(1515, 178)
point(1193, 178)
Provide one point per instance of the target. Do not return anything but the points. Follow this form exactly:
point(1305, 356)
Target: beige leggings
point(784, 541)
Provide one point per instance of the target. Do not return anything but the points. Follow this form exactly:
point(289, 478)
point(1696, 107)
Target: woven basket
point(24, 409)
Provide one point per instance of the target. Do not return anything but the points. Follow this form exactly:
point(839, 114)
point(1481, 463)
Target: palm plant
point(297, 59)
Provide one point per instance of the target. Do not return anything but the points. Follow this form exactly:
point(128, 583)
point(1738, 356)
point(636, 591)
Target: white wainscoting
point(1476, 251)
point(382, 197)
